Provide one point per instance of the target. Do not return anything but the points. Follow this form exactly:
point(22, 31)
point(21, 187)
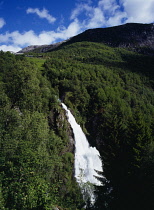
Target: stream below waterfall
point(87, 160)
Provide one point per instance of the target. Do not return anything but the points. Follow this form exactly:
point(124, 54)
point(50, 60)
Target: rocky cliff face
point(58, 121)
point(40, 48)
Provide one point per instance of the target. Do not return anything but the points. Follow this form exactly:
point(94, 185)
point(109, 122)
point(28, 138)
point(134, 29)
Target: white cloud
point(20, 40)
point(2, 22)
point(12, 48)
point(42, 14)
point(108, 5)
point(26, 38)
point(80, 8)
point(105, 13)
point(139, 11)
point(117, 19)
point(110, 13)
point(97, 18)
point(73, 29)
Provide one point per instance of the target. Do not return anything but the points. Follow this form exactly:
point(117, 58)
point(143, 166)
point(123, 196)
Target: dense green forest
point(110, 92)
point(35, 159)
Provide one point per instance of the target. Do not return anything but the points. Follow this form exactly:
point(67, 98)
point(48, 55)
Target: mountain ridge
point(41, 48)
point(137, 37)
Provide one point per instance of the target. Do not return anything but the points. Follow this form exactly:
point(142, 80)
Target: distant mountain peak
point(40, 48)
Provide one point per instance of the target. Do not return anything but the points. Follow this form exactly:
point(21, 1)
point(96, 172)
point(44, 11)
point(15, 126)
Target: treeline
point(111, 92)
point(36, 164)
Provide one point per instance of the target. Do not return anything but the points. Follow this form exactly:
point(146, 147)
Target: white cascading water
point(87, 160)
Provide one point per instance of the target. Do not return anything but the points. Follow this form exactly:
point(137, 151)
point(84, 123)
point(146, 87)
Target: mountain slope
point(111, 93)
point(36, 158)
point(133, 36)
point(40, 48)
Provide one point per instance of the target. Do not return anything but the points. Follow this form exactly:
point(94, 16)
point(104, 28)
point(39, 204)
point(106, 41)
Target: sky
point(39, 22)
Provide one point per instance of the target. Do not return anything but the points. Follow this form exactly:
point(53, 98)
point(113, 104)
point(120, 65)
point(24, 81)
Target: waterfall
point(87, 160)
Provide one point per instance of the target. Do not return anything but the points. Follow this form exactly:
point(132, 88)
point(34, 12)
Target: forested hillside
point(36, 155)
point(110, 92)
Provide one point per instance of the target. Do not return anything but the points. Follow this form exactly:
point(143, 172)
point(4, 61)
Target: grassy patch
point(38, 61)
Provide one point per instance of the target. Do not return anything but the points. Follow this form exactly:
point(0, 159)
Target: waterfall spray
point(87, 160)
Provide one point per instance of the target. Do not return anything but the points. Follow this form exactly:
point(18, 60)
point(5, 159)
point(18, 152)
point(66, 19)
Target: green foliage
point(111, 93)
point(33, 150)
point(38, 61)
